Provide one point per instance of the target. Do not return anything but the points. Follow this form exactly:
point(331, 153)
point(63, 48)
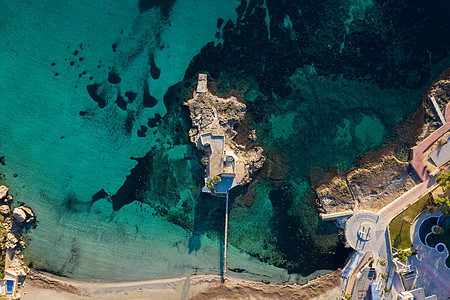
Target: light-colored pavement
point(407, 199)
point(367, 231)
point(438, 110)
point(364, 231)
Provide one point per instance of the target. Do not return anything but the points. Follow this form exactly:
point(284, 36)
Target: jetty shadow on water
point(209, 220)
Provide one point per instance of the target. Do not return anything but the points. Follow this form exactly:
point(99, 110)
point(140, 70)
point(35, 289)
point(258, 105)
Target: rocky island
point(214, 124)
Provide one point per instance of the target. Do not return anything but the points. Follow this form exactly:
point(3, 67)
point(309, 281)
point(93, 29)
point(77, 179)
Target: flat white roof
point(442, 155)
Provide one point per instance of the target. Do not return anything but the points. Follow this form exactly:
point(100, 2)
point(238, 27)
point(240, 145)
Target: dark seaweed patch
point(134, 183)
point(82, 113)
point(131, 96)
point(73, 204)
point(155, 72)
point(131, 117)
point(148, 100)
point(164, 5)
point(121, 103)
point(298, 246)
point(75, 52)
point(219, 23)
point(93, 92)
point(141, 132)
point(99, 195)
point(114, 47)
point(113, 77)
point(152, 122)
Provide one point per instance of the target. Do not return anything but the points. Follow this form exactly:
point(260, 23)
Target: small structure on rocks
point(214, 121)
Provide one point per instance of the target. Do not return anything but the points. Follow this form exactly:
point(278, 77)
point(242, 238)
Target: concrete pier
point(224, 267)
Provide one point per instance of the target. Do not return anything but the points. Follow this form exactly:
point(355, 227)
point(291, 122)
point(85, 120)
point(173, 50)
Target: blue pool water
point(9, 286)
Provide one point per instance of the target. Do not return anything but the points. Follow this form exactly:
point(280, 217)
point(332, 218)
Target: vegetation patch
point(400, 226)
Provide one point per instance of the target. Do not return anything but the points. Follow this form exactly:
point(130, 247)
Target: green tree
point(383, 262)
point(212, 182)
point(443, 202)
point(384, 276)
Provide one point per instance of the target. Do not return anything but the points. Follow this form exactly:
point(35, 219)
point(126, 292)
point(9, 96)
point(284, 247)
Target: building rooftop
point(442, 155)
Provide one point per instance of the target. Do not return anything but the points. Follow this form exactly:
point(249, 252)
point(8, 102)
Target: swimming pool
point(432, 236)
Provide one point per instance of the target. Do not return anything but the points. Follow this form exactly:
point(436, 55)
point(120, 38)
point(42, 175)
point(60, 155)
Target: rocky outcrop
point(12, 228)
point(4, 209)
point(3, 191)
point(219, 116)
point(335, 196)
point(370, 188)
point(440, 91)
point(376, 186)
point(24, 214)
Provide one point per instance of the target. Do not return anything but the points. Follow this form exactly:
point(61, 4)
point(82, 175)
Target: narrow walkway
point(407, 199)
point(224, 267)
point(438, 110)
point(417, 154)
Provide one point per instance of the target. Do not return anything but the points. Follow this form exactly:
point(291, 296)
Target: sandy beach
point(199, 287)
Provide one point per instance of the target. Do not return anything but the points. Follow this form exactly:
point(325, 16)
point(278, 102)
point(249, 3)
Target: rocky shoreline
point(382, 176)
point(14, 224)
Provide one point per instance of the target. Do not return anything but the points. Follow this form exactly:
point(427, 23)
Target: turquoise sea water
point(92, 122)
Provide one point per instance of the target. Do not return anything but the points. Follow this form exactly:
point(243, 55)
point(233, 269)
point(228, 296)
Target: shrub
point(439, 230)
point(383, 262)
point(384, 276)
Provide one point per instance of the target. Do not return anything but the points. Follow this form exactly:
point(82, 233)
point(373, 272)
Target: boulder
point(3, 191)
point(19, 214)
point(4, 209)
point(12, 239)
point(30, 213)
point(24, 214)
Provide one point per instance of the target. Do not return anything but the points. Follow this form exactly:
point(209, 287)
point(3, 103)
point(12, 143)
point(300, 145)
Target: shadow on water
point(209, 220)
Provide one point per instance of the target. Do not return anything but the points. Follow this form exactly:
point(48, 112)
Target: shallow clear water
point(93, 124)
